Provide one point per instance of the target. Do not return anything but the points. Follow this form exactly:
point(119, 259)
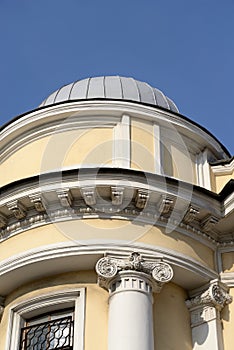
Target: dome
point(111, 87)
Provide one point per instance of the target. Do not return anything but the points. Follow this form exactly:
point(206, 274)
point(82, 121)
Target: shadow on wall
point(171, 319)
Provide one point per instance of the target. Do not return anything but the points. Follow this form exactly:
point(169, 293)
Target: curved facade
point(116, 222)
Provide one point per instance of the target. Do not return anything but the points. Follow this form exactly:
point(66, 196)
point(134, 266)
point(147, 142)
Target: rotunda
point(116, 223)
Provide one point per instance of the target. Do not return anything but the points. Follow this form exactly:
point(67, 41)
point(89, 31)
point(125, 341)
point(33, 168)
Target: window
point(48, 331)
point(50, 321)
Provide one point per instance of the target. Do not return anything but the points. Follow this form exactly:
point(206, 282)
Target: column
point(130, 283)
point(205, 310)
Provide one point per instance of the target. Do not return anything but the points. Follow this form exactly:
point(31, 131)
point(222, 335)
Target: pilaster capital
point(216, 295)
point(109, 269)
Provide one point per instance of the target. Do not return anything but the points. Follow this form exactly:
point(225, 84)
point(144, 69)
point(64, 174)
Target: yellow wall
point(179, 243)
point(40, 236)
point(142, 145)
point(59, 150)
point(222, 180)
point(228, 262)
point(106, 230)
point(171, 319)
point(183, 165)
point(96, 310)
point(178, 162)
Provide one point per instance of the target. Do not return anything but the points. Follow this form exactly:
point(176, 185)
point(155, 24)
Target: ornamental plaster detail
point(22, 211)
point(65, 198)
point(89, 195)
point(141, 199)
point(38, 202)
point(207, 305)
point(158, 272)
point(29, 219)
point(166, 204)
point(117, 194)
point(209, 222)
point(216, 295)
point(191, 214)
point(18, 209)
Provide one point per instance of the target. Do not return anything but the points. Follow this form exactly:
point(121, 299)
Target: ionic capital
point(215, 295)
point(108, 269)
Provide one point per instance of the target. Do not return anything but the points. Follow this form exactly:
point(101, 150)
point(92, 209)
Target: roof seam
point(69, 96)
point(87, 89)
point(155, 95)
point(57, 94)
point(135, 83)
point(121, 86)
point(104, 86)
point(134, 90)
point(152, 92)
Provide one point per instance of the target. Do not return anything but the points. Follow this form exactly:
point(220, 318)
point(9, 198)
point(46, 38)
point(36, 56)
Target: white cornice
point(228, 204)
point(227, 278)
point(176, 206)
point(64, 257)
point(225, 169)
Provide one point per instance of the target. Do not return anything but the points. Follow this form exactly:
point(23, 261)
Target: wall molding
point(81, 257)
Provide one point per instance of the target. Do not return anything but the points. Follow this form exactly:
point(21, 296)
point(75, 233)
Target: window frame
point(51, 301)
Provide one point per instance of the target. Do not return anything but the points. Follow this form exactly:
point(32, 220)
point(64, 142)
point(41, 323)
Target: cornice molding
point(227, 278)
point(86, 256)
point(223, 169)
point(69, 196)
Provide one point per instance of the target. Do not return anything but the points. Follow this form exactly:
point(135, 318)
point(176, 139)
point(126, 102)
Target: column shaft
point(130, 314)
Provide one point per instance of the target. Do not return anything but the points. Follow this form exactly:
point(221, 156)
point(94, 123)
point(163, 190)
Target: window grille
point(54, 334)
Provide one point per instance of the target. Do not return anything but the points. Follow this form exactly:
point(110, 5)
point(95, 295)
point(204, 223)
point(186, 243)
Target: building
point(116, 222)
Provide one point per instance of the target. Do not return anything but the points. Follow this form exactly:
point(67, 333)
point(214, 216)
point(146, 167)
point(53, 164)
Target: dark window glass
point(48, 332)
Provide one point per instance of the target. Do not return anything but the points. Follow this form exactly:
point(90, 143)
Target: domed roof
point(111, 87)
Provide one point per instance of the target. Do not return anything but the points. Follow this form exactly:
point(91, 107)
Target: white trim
point(206, 170)
point(53, 300)
point(223, 169)
point(228, 204)
point(157, 149)
point(200, 181)
point(203, 170)
point(227, 278)
point(121, 143)
point(63, 254)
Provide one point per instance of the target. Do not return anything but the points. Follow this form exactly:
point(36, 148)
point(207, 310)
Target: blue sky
point(185, 48)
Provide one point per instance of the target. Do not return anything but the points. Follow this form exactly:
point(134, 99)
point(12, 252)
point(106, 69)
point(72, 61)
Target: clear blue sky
point(185, 48)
